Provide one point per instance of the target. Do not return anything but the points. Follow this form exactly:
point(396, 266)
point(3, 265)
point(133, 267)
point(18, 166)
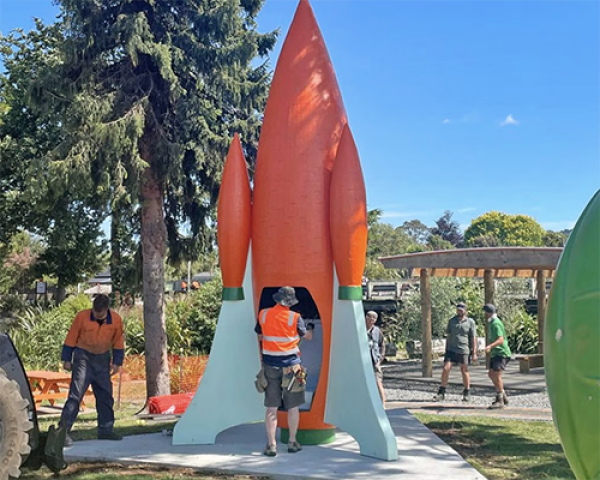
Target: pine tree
point(67, 222)
point(154, 92)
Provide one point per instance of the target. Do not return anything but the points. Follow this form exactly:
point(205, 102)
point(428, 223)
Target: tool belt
point(261, 381)
point(294, 378)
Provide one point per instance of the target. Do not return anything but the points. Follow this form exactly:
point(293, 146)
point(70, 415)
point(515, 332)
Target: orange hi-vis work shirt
point(279, 326)
point(86, 333)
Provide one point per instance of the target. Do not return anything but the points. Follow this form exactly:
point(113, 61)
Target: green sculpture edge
point(569, 354)
point(232, 294)
point(350, 293)
point(310, 437)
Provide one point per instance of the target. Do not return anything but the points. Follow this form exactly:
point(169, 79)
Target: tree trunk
point(154, 237)
point(61, 294)
point(116, 276)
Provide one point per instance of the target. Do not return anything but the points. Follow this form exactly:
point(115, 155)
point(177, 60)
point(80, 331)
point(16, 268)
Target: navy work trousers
point(90, 369)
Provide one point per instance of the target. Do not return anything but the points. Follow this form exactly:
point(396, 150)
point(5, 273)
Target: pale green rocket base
point(226, 396)
point(353, 403)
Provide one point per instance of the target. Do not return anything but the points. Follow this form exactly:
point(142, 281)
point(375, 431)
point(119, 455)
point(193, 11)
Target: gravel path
point(400, 390)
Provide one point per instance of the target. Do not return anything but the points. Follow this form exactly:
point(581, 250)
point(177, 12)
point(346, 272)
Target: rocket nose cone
point(234, 216)
point(348, 213)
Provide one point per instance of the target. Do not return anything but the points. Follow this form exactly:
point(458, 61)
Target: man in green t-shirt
point(499, 352)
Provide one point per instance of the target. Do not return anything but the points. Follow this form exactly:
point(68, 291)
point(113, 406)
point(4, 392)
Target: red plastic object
point(169, 404)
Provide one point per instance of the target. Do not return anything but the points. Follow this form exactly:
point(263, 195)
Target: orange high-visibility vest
point(279, 327)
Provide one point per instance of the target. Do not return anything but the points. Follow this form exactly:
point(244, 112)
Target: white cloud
point(465, 210)
point(446, 120)
point(510, 120)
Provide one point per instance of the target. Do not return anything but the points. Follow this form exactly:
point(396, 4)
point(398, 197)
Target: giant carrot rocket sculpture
point(305, 227)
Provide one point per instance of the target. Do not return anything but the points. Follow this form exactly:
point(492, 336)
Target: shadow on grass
point(505, 449)
point(115, 471)
point(126, 423)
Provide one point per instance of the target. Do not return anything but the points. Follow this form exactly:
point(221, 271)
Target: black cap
point(489, 308)
point(461, 305)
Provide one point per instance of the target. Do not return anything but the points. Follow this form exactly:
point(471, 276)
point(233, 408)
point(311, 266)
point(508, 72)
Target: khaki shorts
point(275, 395)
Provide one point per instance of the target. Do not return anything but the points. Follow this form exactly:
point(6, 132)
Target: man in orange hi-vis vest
point(280, 329)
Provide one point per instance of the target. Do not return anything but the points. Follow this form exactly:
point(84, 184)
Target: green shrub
point(197, 316)
point(191, 321)
point(40, 334)
point(445, 294)
point(524, 337)
point(11, 305)
point(133, 330)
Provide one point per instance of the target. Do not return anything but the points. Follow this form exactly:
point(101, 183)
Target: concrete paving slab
point(422, 455)
point(535, 381)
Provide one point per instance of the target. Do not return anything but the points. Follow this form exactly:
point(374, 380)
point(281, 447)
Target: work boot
point(498, 403)
point(466, 396)
point(109, 436)
point(68, 441)
point(505, 398)
point(441, 395)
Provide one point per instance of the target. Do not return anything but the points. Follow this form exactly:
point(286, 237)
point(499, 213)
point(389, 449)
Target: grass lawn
point(126, 423)
point(504, 449)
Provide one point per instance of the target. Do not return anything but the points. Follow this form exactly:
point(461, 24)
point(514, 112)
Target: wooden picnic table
point(50, 386)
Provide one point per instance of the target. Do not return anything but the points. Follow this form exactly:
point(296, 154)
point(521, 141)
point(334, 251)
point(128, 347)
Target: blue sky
point(468, 106)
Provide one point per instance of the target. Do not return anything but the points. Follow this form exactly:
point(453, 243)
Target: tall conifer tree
point(155, 90)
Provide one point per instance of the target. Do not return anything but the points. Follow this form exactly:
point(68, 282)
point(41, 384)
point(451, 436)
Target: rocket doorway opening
point(311, 352)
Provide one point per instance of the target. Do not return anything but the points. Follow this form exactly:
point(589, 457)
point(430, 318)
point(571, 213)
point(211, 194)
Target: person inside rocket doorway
point(279, 330)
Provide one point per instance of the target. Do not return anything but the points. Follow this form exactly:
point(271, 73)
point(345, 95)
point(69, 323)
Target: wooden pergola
point(486, 263)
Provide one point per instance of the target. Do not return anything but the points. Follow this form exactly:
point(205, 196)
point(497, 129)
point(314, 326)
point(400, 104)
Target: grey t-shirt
point(460, 335)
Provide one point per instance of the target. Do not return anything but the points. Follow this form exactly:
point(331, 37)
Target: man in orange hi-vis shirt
point(279, 330)
point(87, 353)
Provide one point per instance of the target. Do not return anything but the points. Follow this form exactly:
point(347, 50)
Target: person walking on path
point(460, 341)
point(279, 330)
point(377, 349)
point(87, 353)
point(499, 354)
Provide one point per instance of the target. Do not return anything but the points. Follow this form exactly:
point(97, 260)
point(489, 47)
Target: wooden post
point(541, 308)
point(426, 329)
point(488, 289)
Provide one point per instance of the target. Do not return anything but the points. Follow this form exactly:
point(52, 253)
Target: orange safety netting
point(130, 385)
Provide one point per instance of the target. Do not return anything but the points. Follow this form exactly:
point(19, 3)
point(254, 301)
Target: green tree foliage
point(448, 229)
point(39, 334)
point(484, 240)
point(18, 261)
point(416, 230)
point(507, 230)
point(67, 222)
point(555, 239)
point(436, 242)
point(384, 240)
point(153, 93)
